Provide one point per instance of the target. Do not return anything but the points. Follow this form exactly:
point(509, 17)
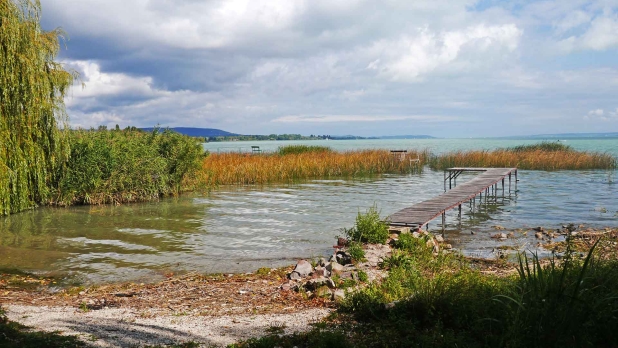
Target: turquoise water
point(239, 229)
point(436, 146)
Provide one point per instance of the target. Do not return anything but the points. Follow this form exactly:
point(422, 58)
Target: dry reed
point(532, 159)
point(236, 168)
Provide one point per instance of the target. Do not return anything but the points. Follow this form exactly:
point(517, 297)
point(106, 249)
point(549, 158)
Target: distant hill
point(199, 132)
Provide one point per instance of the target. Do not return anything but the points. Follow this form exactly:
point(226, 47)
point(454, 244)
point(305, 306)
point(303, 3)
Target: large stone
point(344, 258)
point(314, 284)
point(320, 272)
point(399, 230)
point(303, 268)
point(294, 275)
point(338, 295)
point(334, 267)
point(439, 238)
point(323, 291)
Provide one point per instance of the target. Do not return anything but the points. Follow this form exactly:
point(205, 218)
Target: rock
point(322, 262)
point(574, 234)
point(286, 287)
point(303, 268)
point(346, 275)
point(314, 284)
point(341, 242)
point(538, 229)
point(430, 243)
point(447, 246)
point(399, 230)
point(323, 291)
point(338, 295)
point(294, 275)
point(538, 235)
point(499, 228)
point(343, 258)
point(334, 267)
point(320, 272)
point(472, 232)
point(511, 235)
point(499, 236)
point(439, 238)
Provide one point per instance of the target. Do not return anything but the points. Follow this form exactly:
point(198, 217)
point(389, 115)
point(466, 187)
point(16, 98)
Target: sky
point(446, 68)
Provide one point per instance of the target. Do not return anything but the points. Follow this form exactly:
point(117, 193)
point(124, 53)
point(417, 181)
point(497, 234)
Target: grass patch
point(542, 156)
point(298, 149)
point(369, 228)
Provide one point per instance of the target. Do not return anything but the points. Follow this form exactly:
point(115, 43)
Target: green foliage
point(32, 90)
point(362, 276)
point(369, 228)
point(542, 146)
point(574, 303)
point(297, 149)
point(119, 166)
point(355, 249)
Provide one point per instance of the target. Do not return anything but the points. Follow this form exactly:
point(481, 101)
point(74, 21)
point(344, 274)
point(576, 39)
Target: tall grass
point(297, 149)
point(120, 166)
point(544, 156)
point(235, 168)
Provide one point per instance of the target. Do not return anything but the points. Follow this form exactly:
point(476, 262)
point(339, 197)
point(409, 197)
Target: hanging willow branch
point(33, 149)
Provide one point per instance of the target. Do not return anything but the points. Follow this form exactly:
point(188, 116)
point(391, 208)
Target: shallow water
point(239, 229)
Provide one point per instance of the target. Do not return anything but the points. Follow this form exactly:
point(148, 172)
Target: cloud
point(601, 115)
point(600, 34)
point(450, 67)
point(414, 55)
point(360, 118)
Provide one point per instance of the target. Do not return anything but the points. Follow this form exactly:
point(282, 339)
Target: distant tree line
point(268, 137)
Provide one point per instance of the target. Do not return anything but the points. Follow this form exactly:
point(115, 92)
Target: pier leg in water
point(443, 222)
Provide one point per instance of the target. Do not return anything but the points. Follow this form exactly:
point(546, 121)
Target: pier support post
point(443, 222)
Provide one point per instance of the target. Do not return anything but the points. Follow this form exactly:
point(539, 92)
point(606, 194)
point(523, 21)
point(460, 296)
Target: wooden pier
point(485, 183)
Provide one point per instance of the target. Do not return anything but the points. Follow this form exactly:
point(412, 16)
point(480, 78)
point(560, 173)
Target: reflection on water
point(238, 229)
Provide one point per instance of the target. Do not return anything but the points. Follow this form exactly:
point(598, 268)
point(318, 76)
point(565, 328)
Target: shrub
point(355, 249)
point(130, 165)
point(369, 228)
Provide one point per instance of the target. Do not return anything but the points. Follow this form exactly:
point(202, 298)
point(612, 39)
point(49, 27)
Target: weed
point(355, 249)
point(263, 271)
point(369, 228)
point(362, 276)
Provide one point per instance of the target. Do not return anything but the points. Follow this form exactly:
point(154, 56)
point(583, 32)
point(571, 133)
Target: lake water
point(239, 229)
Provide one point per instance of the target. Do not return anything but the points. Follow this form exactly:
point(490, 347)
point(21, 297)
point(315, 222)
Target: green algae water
point(239, 229)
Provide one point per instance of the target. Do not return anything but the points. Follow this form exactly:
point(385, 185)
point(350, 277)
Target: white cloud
point(601, 34)
point(360, 118)
point(417, 54)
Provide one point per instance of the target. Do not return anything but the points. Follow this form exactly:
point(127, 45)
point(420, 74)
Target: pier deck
point(422, 213)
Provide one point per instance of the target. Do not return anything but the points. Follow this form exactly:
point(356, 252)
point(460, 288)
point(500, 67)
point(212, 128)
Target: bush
point(130, 165)
point(355, 249)
point(369, 228)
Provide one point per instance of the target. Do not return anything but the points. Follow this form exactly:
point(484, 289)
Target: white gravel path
point(111, 327)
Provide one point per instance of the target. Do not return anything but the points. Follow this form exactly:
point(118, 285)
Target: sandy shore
point(125, 327)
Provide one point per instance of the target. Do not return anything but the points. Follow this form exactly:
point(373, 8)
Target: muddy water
point(239, 229)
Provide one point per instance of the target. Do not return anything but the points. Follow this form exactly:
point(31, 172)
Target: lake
point(239, 229)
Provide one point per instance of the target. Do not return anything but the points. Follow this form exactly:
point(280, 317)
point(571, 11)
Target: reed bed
point(236, 168)
point(525, 158)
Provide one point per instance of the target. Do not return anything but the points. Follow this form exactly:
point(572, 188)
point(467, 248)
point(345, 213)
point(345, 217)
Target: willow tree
point(33, 149)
